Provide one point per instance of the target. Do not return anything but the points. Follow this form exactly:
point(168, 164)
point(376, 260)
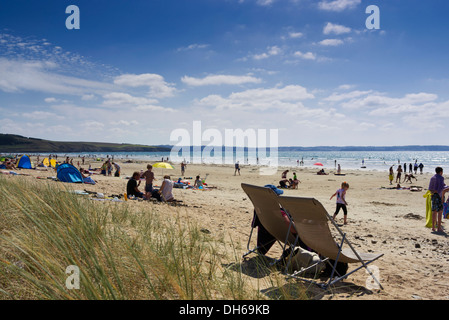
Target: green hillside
point(11, 143)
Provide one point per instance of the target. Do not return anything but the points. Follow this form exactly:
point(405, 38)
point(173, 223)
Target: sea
point(351, 160)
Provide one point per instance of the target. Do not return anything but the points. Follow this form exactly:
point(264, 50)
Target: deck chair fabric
point(311, 221)
point(268, 212)
point(268, 215)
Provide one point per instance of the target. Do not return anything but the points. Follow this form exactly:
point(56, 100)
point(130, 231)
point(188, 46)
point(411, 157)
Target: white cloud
point(193, 47)
point(120, 99)
point(92, 125)
point(50, 100)
point(337, 29)
point(41, 115)
point(87, 97)
point(150, 107)
point(306, 56)
point(295, 35)
point(331, 42)
point(265, 2)
point(346, 86)
point(125, 123)
point(219, 80)
point(158, 88)
point(338, 5)
point(288, 99)
point(271, 51)
point(336, 97)
point(41, 76)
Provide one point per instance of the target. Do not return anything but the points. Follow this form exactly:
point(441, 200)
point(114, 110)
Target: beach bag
point(303, 259)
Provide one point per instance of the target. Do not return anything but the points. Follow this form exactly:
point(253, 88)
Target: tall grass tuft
point(121, 252)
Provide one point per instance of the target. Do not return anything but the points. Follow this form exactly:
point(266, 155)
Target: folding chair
point(268, 212)
point(311, 222)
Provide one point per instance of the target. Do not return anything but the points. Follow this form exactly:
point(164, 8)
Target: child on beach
point(341, 201)
point(149, 177)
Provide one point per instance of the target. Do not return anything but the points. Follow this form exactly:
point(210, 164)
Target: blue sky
point(137, 70)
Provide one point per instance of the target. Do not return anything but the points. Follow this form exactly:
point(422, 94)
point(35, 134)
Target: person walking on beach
point(438, 189)
point(183, 168)
point(341, 201)
point(398, 175)
point(237, 168)
point(391, 175)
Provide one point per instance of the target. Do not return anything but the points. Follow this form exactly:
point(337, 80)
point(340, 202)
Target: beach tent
point(48, 163)
point(24, 162)
point(45, 162)
point(68, 173)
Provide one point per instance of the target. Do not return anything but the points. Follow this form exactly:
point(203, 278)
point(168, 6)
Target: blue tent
point(24, 162)
point(68, 173)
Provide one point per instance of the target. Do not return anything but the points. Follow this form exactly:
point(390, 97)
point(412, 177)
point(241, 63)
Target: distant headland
point(12, 143)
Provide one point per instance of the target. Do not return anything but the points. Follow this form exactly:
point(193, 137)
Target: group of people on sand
point(407, 176)
point(164, 193)
point(9, 164)
point(107, 167)
point(289, 183)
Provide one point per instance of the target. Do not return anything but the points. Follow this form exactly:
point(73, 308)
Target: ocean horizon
point(348, 160)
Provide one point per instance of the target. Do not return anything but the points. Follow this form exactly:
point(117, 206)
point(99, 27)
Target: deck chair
point(268, 212)
point(311, 221)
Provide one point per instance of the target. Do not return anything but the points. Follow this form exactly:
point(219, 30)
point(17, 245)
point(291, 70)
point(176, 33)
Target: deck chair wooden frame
point(268, 211)
point(311, 221)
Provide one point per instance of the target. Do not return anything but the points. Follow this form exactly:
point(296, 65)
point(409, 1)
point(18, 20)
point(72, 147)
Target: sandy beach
point(415, 264)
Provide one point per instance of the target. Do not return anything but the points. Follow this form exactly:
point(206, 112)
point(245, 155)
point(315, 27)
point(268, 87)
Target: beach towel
point(428, 197)
point(89, 180)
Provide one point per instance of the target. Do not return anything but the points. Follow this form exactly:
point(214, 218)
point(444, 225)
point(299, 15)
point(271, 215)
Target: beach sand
point(415, 264)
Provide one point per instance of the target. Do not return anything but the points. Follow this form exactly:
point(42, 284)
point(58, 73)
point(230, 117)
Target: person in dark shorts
point(438, 189)
point(149, 178)
point(341, 201)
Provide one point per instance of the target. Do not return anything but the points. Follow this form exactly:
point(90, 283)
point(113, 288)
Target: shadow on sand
point(259, 267)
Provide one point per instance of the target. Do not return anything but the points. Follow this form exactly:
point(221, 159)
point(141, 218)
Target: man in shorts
point(438, 189)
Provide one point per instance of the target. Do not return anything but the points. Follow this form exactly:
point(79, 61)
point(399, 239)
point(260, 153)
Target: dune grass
point(121, 253)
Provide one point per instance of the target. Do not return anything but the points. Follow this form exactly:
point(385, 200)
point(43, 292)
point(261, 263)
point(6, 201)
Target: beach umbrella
point(317, 164)
point(163, 165)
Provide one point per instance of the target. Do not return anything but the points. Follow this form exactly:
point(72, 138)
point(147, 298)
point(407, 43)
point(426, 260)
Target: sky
point(136, 71)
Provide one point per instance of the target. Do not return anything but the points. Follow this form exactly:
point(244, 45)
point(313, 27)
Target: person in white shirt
point(166, 189)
